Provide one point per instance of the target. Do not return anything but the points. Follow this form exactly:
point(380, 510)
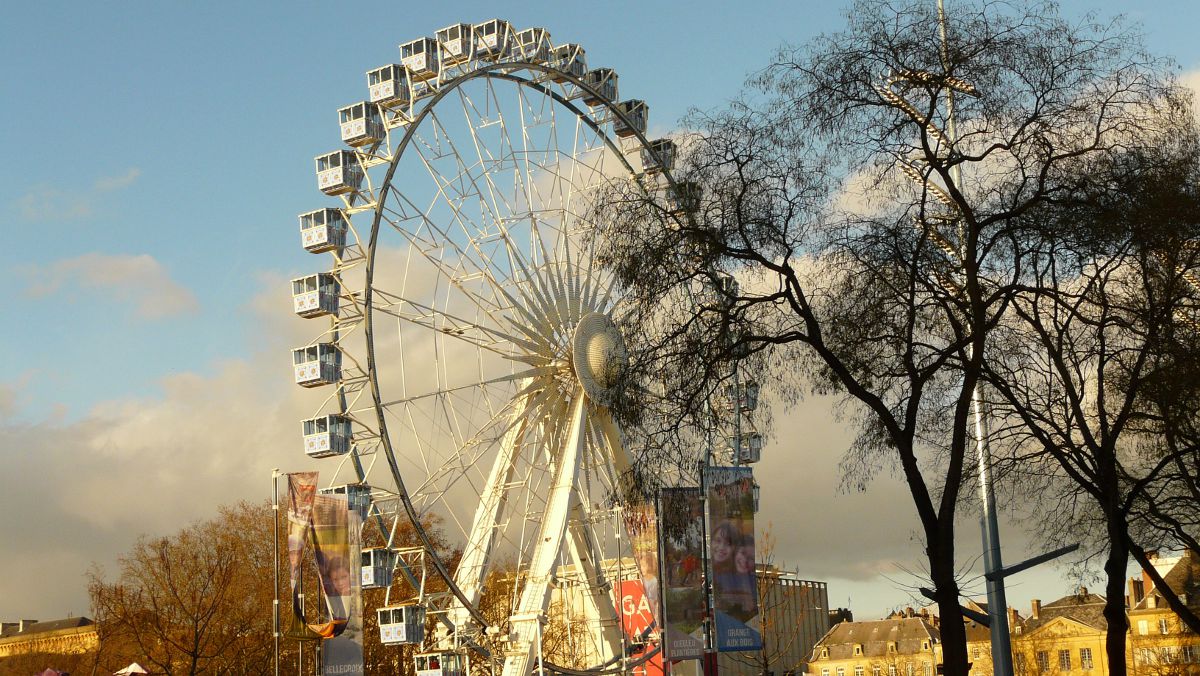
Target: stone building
point(906, 645)
point(69, 636)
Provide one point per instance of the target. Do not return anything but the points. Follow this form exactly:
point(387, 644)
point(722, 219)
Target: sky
point(156, 156)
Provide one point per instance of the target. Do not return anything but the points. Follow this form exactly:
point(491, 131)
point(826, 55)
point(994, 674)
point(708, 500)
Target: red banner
point(636, 617)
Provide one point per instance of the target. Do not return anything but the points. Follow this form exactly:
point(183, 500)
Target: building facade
point(899, 646)
point(70, 636)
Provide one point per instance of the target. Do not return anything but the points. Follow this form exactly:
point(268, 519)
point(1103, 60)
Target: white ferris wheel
point(471, 343)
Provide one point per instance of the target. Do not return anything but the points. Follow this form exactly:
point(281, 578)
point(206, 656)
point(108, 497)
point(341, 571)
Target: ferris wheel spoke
point(463, 329)
point(463, 256)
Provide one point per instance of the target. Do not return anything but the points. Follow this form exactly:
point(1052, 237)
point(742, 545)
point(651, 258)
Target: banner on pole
point(731, 557)
point(339, 558)
point(333, 527)
point(636, 618)
point(681, 528)
point(642, 524)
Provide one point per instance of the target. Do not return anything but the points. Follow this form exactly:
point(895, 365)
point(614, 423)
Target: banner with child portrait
point(681, 528)
point(730, 492)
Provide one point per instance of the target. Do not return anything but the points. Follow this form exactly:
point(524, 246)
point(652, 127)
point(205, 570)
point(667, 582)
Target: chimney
point(1082, 591)
point(1137, 589)
point(1035, 610)
point(908, 612)
point(1152, 601)
point(1012, 617)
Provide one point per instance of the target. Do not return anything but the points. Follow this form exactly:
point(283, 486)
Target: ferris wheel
point(473, 344)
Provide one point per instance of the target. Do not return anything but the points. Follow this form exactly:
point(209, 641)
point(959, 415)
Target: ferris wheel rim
point(499, 71)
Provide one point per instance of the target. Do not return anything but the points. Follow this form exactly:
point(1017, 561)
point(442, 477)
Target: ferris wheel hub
point(599, 356)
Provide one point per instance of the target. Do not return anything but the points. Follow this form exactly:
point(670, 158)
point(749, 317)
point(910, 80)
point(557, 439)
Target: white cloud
point(111, 183)
point(50, 203)
point(46, 203)
point(137, 279)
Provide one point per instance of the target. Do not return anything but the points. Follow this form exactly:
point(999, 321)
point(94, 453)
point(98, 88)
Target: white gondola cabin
point(493, 39)
point(745, 396)
point(323, 230)
point(441, 664)
point(457, 42)
point(532, 45)
point(316, 295)
point(750, 451)
point(338, 172)
point(683, 198)
point(570, 59)
point(420, 57)
point(377, 566)
point(718, 294)
point(401, 624)
point(638, 115)
point(317, 365)
point(604, 82)
point(361, 124)
point(358, 497)
point(327, 436)
point(388, 85)
point(658, 156)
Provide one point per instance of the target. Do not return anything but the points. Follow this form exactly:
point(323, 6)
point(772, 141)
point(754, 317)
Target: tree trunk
point(954, 635)
point(1114, 607)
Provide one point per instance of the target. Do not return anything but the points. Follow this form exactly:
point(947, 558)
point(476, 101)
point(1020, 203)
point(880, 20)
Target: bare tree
point(195, 602)
point(876, 248)
point(1085, 364)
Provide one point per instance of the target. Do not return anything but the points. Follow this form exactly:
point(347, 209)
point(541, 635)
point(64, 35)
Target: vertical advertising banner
point(681, 527)
point(339, 560)
point(642, 524)
point(301, 489)
point(731, 557)
point(636, 618)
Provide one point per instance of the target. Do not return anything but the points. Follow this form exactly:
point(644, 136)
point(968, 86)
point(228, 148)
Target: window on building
point(1043, 661)
point(891, 670)
point(824, 653)
point(841, 671)
point(825, 671)
point(857, 650)
point(1145, 656)
point(975, 653)
point(1064, 660)
point(1162, 625)
point(1189, 653)
point(858, 670)
point(1019, 664)
point(1143, 627)
point(875, 671)
point(927, 670)
point(909, 669)
point(1085, 659)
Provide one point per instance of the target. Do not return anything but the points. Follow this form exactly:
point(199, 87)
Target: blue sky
point(156, 156)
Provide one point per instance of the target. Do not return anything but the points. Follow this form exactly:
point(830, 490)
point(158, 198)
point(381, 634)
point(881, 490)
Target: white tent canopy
point(134, 668)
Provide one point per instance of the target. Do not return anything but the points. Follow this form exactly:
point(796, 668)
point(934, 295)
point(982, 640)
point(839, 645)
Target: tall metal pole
point(992, 561)
point(710, 626)
point(275, 555)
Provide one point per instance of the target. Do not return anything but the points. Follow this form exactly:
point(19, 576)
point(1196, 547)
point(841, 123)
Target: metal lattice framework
point(473, 344)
